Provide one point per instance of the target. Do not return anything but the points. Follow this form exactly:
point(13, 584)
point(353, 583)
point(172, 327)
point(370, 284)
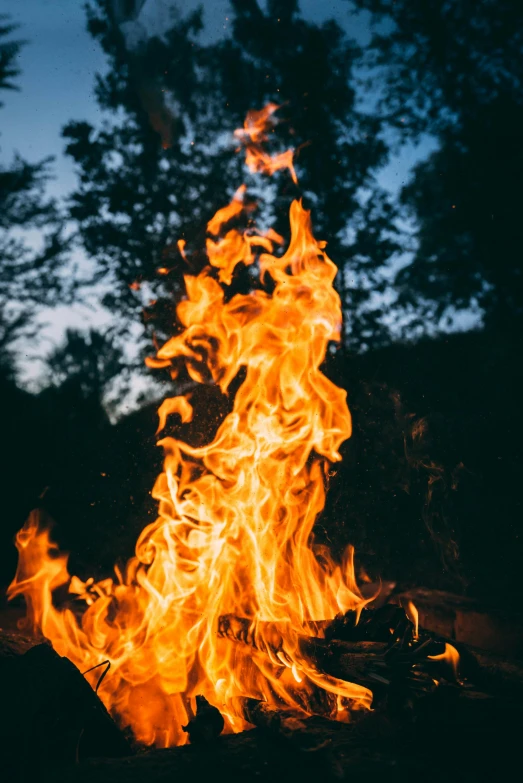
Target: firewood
point(53, 714)
point(382, 624)
point(400, 672)
point(361, 662)
point(265, 636)
point(385, 624)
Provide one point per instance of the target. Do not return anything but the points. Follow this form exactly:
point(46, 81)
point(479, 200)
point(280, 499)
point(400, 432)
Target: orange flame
point(233, 537)
point(181, 248)
point(253, 135)
point(450, 657)
point(413, 615)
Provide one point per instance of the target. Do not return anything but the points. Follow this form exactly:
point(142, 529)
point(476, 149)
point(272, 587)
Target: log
point(383, 624)
point(402, 672)
point(467, 620)
point(270, 637)
point(362, 662)
point(53, 714)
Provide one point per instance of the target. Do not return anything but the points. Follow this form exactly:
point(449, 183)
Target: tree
point(30, 270)
point(163, 161)
point(453, 68)
point(85, 364)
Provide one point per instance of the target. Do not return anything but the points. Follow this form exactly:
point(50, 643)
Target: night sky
point(58, 67)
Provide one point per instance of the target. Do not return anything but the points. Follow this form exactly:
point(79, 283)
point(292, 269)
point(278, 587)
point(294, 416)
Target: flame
point(233, 537)
point(413, 615)
point(254, 134)
point(450, 657)
point(181, 248)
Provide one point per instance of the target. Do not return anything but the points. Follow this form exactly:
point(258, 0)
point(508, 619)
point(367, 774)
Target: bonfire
point(228, 607)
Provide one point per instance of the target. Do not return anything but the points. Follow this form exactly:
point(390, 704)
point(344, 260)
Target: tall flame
point(233, 538)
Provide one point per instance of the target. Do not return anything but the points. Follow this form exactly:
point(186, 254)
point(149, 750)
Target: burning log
point(361, 661)
point(53, 713)
point(407, 670)
point(382, 624)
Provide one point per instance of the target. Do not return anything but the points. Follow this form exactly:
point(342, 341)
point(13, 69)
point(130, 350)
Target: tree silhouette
point(454, 69)
point(85, 364)
point(164, 162)
point(30, 269)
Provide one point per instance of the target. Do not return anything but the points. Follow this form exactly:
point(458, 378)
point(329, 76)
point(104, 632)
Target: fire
point(254, 135)
point(233, 539)
point(450, 658)
point(412, 614)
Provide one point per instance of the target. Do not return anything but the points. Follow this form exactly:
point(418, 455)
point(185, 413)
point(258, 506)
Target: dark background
point(430, 273)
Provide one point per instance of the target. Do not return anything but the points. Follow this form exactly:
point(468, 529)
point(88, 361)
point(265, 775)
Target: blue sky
point(58, 67)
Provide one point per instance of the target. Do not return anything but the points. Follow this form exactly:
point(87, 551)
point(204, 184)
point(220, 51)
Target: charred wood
point(401, 670)
point(366, 662)
point(383, 624)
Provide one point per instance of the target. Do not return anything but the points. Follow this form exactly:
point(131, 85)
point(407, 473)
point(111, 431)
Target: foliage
point(32, 245)
point(453, 68)
point(164, 161)
point(8, 52)
point(85, 363)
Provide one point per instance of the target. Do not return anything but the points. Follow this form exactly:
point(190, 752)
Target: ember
point(231, 557)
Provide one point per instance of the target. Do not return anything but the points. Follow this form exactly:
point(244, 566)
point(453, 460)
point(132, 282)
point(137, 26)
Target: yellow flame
point(412, 614)
point(450, 656)
point(235, 517)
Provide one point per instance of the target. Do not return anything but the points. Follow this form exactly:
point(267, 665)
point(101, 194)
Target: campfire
point(230, 614)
